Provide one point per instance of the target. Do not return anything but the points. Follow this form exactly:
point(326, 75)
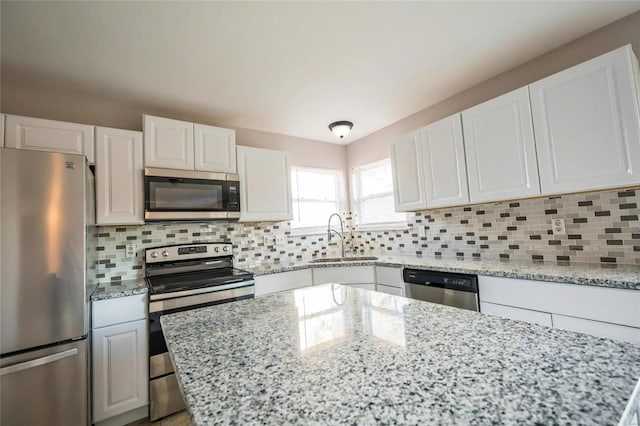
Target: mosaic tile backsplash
point(600, 227)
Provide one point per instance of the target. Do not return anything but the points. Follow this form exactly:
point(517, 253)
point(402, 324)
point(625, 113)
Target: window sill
point(395, 226)
point(300, 232)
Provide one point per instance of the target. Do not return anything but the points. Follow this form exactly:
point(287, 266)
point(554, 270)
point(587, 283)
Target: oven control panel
point(187, 251)
point(192, 249)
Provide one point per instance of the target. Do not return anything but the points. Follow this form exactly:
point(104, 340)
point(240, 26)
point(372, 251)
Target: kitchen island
point(335, 354)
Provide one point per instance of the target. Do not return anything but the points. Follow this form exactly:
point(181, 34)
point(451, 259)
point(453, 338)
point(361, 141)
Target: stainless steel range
point(183, 277)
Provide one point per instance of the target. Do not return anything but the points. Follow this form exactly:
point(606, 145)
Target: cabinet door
point(408, 173)
point(597, 328)
point(344, 275)
point(444, 164)
point(49, 135)
point(120, 369)
point(215, 149)
point(119, 170)
point(274, 283)
point(265, 184)
point(587, 125)
point(526, 315)
point(168, 143)
point(389, 276)
point(500, 149)
point(1, 130)
point(396, 291)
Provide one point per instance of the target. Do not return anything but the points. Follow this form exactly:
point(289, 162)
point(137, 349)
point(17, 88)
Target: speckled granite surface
point(620, 276)
point(112, 290)
point(335, 354)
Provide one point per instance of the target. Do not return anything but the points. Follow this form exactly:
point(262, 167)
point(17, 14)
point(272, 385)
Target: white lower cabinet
point(361, 275)
point(396, 291)
point(364, 286)
point(599, 311)
point(283, 281)
point(120, 360)
point(597, 328)
point(526, 315)
point(389, 280)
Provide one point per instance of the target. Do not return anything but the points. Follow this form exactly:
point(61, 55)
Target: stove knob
point(225, 248)
point(154, 254)
point(165, 253)
point(217, 249)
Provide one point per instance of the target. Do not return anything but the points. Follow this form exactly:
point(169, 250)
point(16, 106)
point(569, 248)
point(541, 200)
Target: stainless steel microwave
point(189, 195)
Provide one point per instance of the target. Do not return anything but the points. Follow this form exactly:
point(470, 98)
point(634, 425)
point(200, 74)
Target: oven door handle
point(184, 268)
point(237, 283)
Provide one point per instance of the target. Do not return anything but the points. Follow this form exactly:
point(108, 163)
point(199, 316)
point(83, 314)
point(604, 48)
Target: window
point(316, 194)
point(373, 195)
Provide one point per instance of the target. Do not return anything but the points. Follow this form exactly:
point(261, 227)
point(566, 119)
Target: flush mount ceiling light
point(341, 128)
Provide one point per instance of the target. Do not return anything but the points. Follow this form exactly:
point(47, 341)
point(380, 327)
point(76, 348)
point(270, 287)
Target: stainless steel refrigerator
point(46, 206)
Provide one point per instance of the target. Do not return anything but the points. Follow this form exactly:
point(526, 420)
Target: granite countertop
point(336, 354)
point(616, 276)
point(114, 289)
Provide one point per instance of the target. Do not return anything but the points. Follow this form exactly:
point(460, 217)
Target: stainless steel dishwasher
point(446, 288)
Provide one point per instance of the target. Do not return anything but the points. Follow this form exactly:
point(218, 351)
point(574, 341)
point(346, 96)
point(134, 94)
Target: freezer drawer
point(45, 387)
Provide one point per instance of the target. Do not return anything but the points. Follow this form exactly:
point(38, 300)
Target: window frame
point(356, 179)
point(340, 192)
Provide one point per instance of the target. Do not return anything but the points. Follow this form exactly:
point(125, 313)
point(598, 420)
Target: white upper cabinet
point(265, 184)
point(49, 135)
point(168, 143)
point(444, 164)
point(1, 130)
point(500, 149)
point(182, 145)
point(215, 149)
point(119, 177)
point(408, 173)
point(588, 126)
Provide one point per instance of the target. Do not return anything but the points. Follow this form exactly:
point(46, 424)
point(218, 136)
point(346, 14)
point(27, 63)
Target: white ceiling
point(292, 68)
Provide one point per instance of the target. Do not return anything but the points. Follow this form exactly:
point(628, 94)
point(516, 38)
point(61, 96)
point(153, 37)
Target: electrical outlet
point(279, 239)
point(424, 232)
point(266, 240)
point(558, 227)
point(130, 250)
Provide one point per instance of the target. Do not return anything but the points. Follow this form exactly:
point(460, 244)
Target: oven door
point(184, 195)
point(157, 345)
point(164, 394)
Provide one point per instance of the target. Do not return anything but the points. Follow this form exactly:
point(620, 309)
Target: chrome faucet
point(339, 234)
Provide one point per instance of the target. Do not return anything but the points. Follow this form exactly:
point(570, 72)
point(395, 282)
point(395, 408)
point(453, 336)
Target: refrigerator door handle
point(37, 362)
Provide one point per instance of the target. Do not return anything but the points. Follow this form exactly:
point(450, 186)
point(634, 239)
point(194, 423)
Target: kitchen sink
point(343, 259)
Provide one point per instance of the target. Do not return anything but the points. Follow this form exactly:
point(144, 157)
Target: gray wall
point(377, 145)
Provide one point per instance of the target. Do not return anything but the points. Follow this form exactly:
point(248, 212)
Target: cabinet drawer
point(396, 291)
point(273, 283)
point(526, 315)
point(612, 305)
point(344, 275)
point(597, 328)
point(118, 310)
point(364, 286)
point(389, 276)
